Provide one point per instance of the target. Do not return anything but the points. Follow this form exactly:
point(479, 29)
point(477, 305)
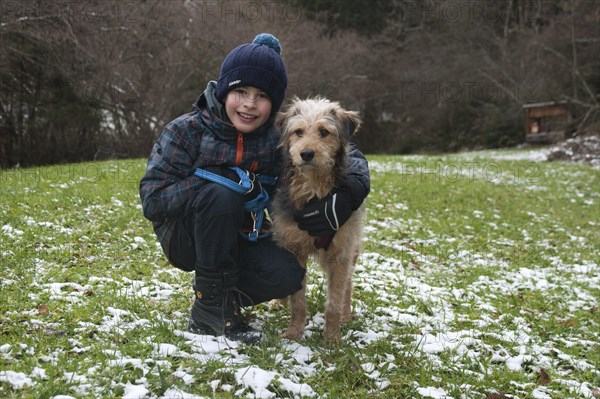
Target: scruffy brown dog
point(315, 136)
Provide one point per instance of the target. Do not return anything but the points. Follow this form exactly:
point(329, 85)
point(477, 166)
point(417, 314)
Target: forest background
point(89, 80)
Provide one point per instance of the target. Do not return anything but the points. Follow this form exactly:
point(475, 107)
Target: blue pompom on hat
point(268, 40)
point(256, 64)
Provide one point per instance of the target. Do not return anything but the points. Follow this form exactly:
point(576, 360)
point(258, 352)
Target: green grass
point(480, 274)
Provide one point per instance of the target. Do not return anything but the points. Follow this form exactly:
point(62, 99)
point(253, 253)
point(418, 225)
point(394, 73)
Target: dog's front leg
point(339, 286)
point(299, 312)
point(347, 307)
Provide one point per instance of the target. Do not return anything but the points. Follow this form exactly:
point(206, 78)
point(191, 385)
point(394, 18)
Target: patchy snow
point(11, 232)
point(176, 393)
point(418, 311)
point(533, 155)
point(430, 392)
point(187, 378)
point(18, 380)
point(135, 391)
point(258, 381)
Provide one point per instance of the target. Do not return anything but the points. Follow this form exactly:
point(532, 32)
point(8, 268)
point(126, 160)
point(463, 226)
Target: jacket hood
point(213, 114)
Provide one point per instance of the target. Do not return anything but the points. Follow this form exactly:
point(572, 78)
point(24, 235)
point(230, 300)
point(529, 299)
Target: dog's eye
point(323, 132)
point(299, 133)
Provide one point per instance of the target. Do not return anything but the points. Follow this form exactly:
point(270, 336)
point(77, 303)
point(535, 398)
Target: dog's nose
point(307, 155)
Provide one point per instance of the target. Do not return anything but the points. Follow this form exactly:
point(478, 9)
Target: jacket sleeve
point(358, 168)
point(169, 182)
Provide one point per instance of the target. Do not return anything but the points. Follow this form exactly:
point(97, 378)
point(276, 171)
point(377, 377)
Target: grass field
point(479, 279)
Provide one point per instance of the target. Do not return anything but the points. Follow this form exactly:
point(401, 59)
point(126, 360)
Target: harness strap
point(243, 187)
point(256, 206)
point(268, 180)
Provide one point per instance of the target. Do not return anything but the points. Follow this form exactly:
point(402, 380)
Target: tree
point(43, 118)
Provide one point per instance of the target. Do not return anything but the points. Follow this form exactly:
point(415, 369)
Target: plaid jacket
point(200, 139)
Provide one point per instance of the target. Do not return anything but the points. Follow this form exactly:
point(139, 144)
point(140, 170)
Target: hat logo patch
point(234, 82)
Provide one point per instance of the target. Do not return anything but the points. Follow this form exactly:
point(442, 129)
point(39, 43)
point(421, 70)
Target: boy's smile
point(248, 108)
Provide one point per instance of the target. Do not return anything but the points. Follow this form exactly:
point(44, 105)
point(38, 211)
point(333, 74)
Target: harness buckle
point(254, 218)
point(251, 178)
point(253, 233)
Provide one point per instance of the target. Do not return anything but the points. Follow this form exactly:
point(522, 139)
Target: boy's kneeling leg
point(267, 272)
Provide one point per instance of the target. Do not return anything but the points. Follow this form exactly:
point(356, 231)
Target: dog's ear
point(282, 116)
point(280, 120)
point(350, 122)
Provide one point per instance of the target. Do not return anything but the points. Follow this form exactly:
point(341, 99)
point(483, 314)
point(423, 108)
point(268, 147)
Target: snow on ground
point(469, 166)
point(441, 335)
point(533, 155)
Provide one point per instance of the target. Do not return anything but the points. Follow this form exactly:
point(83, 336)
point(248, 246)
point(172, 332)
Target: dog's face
point(315, 133)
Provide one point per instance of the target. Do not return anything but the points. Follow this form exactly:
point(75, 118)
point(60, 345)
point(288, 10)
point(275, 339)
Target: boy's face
point(248, 108)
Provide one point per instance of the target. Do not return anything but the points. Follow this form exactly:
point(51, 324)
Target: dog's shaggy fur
point(323, 129)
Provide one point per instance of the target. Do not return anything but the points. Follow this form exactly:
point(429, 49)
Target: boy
point(198, 220)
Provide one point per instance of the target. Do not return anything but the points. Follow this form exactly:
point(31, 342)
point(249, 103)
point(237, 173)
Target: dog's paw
point(331, 340)
point(331, 335)
point(293, 333)
point(346, 317)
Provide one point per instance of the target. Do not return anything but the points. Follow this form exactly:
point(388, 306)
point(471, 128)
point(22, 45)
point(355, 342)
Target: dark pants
point(207, 240)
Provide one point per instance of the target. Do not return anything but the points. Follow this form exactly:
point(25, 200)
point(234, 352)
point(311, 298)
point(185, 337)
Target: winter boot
point(216, 309)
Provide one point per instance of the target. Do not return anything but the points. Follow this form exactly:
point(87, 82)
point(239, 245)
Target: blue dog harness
point(258, 207)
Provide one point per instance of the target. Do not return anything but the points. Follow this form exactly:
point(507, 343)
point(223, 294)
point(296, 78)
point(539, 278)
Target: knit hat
point(256, 64)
